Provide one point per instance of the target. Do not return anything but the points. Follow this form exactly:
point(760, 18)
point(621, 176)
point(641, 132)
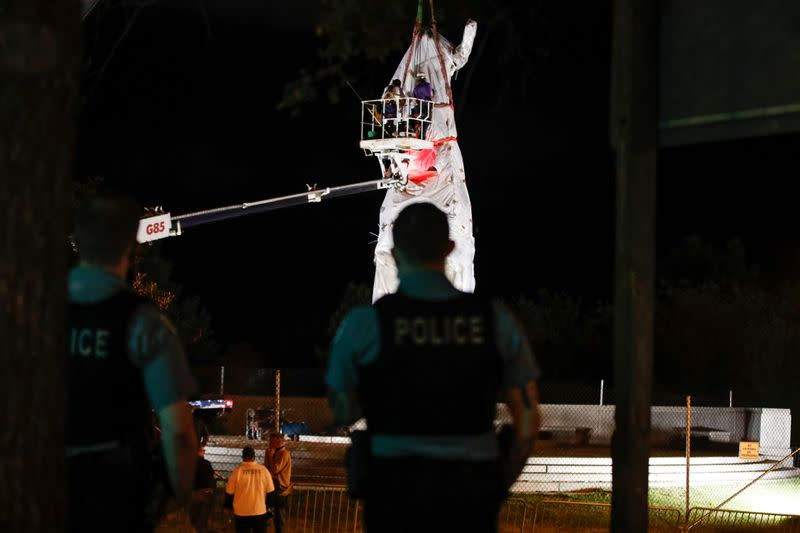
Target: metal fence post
point(222, 381)
point(688, 448)
point(278, 400)
point(602, 383)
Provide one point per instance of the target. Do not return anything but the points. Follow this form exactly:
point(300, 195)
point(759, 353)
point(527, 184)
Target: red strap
point(443, 140)
point(412, 50)
point(442, 65)
point(421, 176)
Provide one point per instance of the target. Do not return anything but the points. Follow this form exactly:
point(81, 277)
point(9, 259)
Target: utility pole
point(634, 138)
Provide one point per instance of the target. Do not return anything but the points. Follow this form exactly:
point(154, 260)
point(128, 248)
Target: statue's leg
point(454, 200)
point(386, 281)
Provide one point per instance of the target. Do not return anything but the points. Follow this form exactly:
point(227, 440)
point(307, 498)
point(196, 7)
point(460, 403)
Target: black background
point(183, 114)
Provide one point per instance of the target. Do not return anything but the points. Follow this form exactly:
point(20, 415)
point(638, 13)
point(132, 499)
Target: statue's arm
point(462, 51)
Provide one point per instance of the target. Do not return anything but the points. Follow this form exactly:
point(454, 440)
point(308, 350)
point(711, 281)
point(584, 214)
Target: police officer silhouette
point(450, 354)
point(125, 363)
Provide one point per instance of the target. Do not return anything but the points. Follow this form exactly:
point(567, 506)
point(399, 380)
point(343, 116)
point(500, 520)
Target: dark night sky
point(184, 116)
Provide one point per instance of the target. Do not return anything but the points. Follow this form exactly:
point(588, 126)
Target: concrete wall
point(598, 418)
point(771, 427)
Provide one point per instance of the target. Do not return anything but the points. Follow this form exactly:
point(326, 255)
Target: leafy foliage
point(696, 263)
point(357, 40)
point(150, 290)
point(571, 340)
point(718, 327)
point(191, 319)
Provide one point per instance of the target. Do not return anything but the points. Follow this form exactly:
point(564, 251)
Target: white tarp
point(448, 189)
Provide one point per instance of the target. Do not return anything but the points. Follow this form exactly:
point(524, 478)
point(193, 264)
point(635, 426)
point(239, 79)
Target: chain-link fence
point(559, 515)
point(515, 516)
point(573, 452)
point(737, 462)
point(310, 509)
point(704, 520)
point(328, 509)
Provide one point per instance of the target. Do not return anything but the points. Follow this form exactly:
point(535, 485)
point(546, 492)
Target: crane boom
point(163, 225)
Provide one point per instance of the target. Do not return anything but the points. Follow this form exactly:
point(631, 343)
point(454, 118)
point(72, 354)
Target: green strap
point(419, 11)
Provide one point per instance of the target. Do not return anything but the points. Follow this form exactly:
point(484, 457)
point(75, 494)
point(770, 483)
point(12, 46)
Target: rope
point(414, 45)
point(441, 63)
point(414, 42)
point(441, 58)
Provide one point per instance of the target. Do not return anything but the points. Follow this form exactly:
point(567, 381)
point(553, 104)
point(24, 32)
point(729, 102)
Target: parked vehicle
point(261, 420)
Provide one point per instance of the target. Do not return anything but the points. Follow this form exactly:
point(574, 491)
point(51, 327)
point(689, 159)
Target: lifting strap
point(441, 57)
point(415, 44)
point(414, 41)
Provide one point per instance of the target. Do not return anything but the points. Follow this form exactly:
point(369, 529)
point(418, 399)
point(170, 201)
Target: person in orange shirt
point(249, 485)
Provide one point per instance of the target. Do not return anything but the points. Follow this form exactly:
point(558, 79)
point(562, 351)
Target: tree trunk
point(634, 135)
point(39, 61)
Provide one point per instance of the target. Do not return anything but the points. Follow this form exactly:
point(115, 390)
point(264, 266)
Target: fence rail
point(706, 519)
point(329, 509)
point(311, 509)
point(323, 509)
point(514, 516)
point(565, 515)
